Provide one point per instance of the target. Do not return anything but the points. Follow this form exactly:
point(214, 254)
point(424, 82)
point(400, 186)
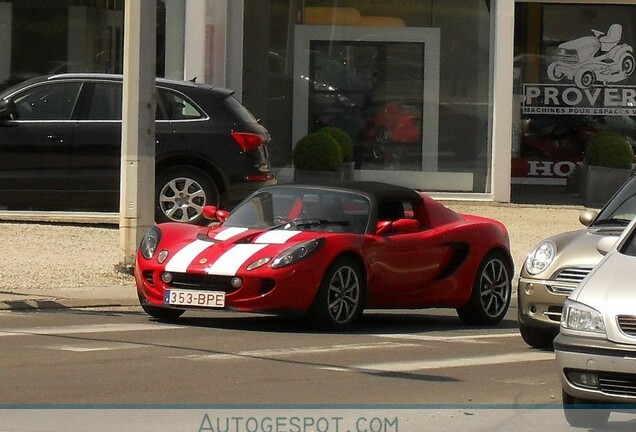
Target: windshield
point(307, 208)
point(621, 209)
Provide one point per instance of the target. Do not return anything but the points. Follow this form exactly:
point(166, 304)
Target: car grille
point(617, 384)
point(147, 275)
point(570, 277)
point(554, 313)
point(202, 282)
point(627, 324)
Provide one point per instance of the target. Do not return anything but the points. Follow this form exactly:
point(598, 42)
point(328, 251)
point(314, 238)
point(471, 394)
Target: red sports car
point(329, 252)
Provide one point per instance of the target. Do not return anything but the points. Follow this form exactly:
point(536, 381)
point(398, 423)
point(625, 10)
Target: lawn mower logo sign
point(593, 65)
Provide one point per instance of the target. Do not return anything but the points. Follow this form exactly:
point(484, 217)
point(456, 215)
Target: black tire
point(583, 417)
point(491, 292)
point(160, 313)
point(537, 338)
point(340, 298)
point(181, 193)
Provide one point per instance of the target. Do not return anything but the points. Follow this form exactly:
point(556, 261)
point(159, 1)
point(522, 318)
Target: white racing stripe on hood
point(182, 259)
point(233, 259)
point(276, 236)
point(229, 232)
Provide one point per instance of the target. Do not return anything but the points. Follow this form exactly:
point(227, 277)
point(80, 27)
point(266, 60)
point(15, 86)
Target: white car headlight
point(150, 242)
point(579, 317)
point(541, 257)
point(297, 253)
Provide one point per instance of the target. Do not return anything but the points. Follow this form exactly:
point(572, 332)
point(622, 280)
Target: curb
point(54, 303)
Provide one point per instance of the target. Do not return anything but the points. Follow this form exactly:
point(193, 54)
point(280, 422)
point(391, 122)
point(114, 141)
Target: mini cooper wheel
point(491, 291)
point(182, 192)
point(537, 338)
point(340, 298)
point(160, 313)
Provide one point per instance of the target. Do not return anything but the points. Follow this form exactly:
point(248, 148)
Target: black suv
point(60, 146)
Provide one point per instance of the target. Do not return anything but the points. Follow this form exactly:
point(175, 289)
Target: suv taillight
point(248, 141)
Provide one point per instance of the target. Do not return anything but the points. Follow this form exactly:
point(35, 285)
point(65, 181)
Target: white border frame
point(429, 177)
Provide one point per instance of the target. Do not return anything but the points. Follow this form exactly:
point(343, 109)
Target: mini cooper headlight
point(541, 257)
point(297, 253)
point(149, 243)
point(577, 316)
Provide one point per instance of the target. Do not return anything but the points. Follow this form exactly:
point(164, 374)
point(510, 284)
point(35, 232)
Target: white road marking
point(462, 338)
point(83, 329)
point(409, 366)
point(287, 352)
point(80, 349)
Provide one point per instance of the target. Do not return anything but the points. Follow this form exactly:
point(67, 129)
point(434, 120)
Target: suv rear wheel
point(181, 193)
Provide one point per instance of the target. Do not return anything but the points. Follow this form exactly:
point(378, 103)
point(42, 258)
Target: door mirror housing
point(8, 109)
point(211, 213)
point(400, 226)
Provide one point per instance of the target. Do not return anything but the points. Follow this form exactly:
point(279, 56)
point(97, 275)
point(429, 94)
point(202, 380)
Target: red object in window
point(248, 141)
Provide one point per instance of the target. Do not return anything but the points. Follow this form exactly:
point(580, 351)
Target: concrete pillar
point(5, 41)
point(136, 211)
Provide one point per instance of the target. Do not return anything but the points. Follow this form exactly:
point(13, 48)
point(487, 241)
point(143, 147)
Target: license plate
point(181, 297)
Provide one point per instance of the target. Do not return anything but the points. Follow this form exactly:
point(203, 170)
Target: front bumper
point(293, 289)
point(539, 306)
point(614, 366)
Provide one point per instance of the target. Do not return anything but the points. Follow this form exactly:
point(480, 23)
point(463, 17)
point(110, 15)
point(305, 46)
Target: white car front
point(596, 347)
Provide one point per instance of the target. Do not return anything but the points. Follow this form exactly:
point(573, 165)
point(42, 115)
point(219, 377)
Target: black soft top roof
point(378, 190)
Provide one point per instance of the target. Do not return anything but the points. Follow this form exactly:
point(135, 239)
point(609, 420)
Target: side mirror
point(211, 213)
point(405, 226)
point(606, 244)
point(587, 217)
point(7, 109)
point(382, 227)
point(401, 226)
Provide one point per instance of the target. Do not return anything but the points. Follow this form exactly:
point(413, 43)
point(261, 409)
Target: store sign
point(588, 71)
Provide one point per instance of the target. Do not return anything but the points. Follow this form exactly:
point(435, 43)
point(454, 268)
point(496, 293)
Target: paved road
point(119, 356)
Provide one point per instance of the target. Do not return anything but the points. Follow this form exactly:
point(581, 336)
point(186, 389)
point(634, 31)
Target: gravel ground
point(70, 256)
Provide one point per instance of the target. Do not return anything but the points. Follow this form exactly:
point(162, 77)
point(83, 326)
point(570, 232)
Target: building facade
point(460, 98)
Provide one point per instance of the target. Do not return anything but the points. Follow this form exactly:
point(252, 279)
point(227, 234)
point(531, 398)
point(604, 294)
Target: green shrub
point(344, 140)
point(318, 152)
point(610, 150)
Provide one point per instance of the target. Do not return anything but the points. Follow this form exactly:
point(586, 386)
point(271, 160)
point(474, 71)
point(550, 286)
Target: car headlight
point(150, 242)
point(297, 253)
point(577, 316)
point(541, 257)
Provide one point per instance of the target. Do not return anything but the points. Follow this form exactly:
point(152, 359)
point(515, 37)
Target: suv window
point(48, 102)
point(178, 107)
point(106, 102)
point(239, 110)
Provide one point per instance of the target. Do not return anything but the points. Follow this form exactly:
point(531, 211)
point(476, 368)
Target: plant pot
point(316, 177)
point(347, 170)
point(600, 183)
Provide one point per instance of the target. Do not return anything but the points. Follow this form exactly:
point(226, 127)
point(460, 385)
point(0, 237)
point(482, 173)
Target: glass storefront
point(39, 37)
point(409, 81)
point(574, 77)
